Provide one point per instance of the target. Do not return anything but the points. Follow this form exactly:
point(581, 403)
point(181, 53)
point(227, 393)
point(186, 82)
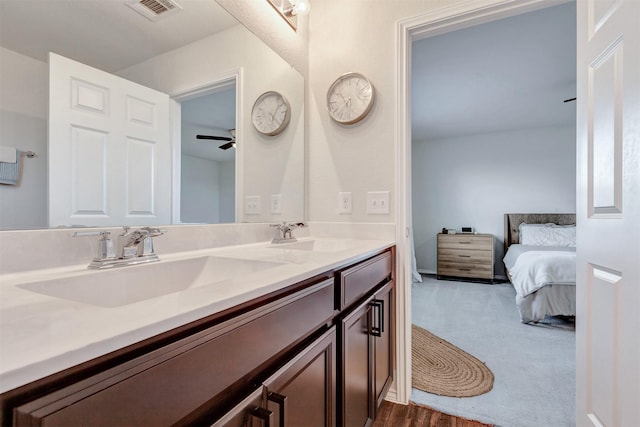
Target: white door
point(608, 213)
point(109, 149)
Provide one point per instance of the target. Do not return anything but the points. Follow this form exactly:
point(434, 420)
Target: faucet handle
point(155, 231)
point(106, 248)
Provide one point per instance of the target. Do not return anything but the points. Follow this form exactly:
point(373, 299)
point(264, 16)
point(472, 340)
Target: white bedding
point(533, 267)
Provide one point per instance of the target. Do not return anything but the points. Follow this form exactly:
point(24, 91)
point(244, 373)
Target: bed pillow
point(547, 235)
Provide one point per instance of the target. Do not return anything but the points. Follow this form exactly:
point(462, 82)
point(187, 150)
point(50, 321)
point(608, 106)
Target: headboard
point(513, 220)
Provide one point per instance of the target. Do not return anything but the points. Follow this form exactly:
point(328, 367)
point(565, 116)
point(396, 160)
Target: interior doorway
point(206, 153)
point(428, 25)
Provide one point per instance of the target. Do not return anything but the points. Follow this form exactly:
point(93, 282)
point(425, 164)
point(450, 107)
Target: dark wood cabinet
point(316, 354)
point(357, 358)
point(248, 413)
point(383, 341)
point(366, 338)
point(191, 379)
point(300, 394)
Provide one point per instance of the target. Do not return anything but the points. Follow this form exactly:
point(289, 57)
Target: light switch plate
point(378, 202)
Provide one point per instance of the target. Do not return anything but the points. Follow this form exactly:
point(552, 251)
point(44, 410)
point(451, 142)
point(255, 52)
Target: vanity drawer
point(189, 378)
point(356, 281)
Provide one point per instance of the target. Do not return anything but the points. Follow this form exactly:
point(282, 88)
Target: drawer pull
point(465, 243)
point(465, 269)
point(261, 414)
point(464, 256)
point(281, 401)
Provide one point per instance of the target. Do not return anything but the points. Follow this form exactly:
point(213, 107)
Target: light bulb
point(301, 7)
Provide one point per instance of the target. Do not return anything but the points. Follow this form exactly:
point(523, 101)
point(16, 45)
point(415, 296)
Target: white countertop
point(41, 335)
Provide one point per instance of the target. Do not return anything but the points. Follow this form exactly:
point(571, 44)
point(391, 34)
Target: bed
point(540, 263)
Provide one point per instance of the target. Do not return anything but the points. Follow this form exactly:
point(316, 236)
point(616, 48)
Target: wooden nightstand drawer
point(479, 272)
point(465, 241)
point(466, 255)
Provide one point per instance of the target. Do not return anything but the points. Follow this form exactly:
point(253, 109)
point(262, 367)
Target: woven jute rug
point(440, 367)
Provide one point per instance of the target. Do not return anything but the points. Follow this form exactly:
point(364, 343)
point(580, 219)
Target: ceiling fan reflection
point(231, 143)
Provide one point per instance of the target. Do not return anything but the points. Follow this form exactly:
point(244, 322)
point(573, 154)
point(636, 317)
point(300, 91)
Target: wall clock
point(271, 113)
point(350, 98)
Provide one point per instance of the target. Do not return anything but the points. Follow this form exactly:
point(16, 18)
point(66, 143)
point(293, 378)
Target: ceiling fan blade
point(217, 138)
point(227, 145)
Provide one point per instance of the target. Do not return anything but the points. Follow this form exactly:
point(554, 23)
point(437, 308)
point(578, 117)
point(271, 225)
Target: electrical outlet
point(344, 202)
point(276, 203)
point(252, 205)
point(378, 202)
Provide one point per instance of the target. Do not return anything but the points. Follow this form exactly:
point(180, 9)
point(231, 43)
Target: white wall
point(261, 19)
point(208, 191)
point(270, 165)
point(227, 180)
point(354, 36)
point(23, 124)
point(200, 192)
point(475, 180)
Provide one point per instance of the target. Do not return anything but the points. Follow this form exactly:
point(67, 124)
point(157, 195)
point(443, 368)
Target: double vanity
point(286, 334)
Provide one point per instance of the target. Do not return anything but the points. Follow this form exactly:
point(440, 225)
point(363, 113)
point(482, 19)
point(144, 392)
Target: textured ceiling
point(504, 75)
point(104, 34)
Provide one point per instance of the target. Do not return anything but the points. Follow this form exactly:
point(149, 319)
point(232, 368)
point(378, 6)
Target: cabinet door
point(357, 357)
point(383, 315)
point(302, 393)
point(248, 413)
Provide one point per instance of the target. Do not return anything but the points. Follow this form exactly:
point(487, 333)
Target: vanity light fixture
point(291, 9)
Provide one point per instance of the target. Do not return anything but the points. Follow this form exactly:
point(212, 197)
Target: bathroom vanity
point(306, 342)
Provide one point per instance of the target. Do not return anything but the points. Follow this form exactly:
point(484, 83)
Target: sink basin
point(126, 285)
point(324, 245)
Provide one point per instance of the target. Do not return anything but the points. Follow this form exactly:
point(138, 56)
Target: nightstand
point(466, 255)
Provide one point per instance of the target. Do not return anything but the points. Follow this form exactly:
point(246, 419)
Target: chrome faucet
point(131, 247)
point(284, 232)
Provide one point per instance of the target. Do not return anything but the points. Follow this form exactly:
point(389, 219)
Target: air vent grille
point(155, 9)
point(157, 6)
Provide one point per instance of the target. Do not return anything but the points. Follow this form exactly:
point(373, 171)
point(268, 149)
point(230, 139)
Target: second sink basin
point(323, 245)
point(126, 285)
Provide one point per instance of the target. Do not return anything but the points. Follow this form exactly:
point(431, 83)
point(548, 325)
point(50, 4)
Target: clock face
point(350, 98)
point(271, 113)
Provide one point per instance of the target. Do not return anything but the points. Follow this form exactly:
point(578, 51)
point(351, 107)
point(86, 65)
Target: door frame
point(462, 15)
point(217, 83)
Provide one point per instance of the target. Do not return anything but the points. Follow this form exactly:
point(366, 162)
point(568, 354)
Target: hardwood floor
point(412, 415)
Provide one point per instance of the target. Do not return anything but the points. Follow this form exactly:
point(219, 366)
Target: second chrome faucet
point(284, 231)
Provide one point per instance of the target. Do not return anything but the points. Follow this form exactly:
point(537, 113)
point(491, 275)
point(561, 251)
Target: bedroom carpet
point(533, 365)
point(441, 368)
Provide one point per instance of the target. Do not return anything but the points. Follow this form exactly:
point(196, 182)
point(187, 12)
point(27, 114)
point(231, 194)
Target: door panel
point(357, 367)
point(608, 208)
point(109, 149)
point(88, 173)
point(384, 343)
point(302, 393)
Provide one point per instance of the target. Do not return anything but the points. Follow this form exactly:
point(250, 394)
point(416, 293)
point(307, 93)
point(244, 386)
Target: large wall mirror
point(208, 67)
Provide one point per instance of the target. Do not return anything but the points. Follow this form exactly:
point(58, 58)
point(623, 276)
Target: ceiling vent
point(155, 10)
